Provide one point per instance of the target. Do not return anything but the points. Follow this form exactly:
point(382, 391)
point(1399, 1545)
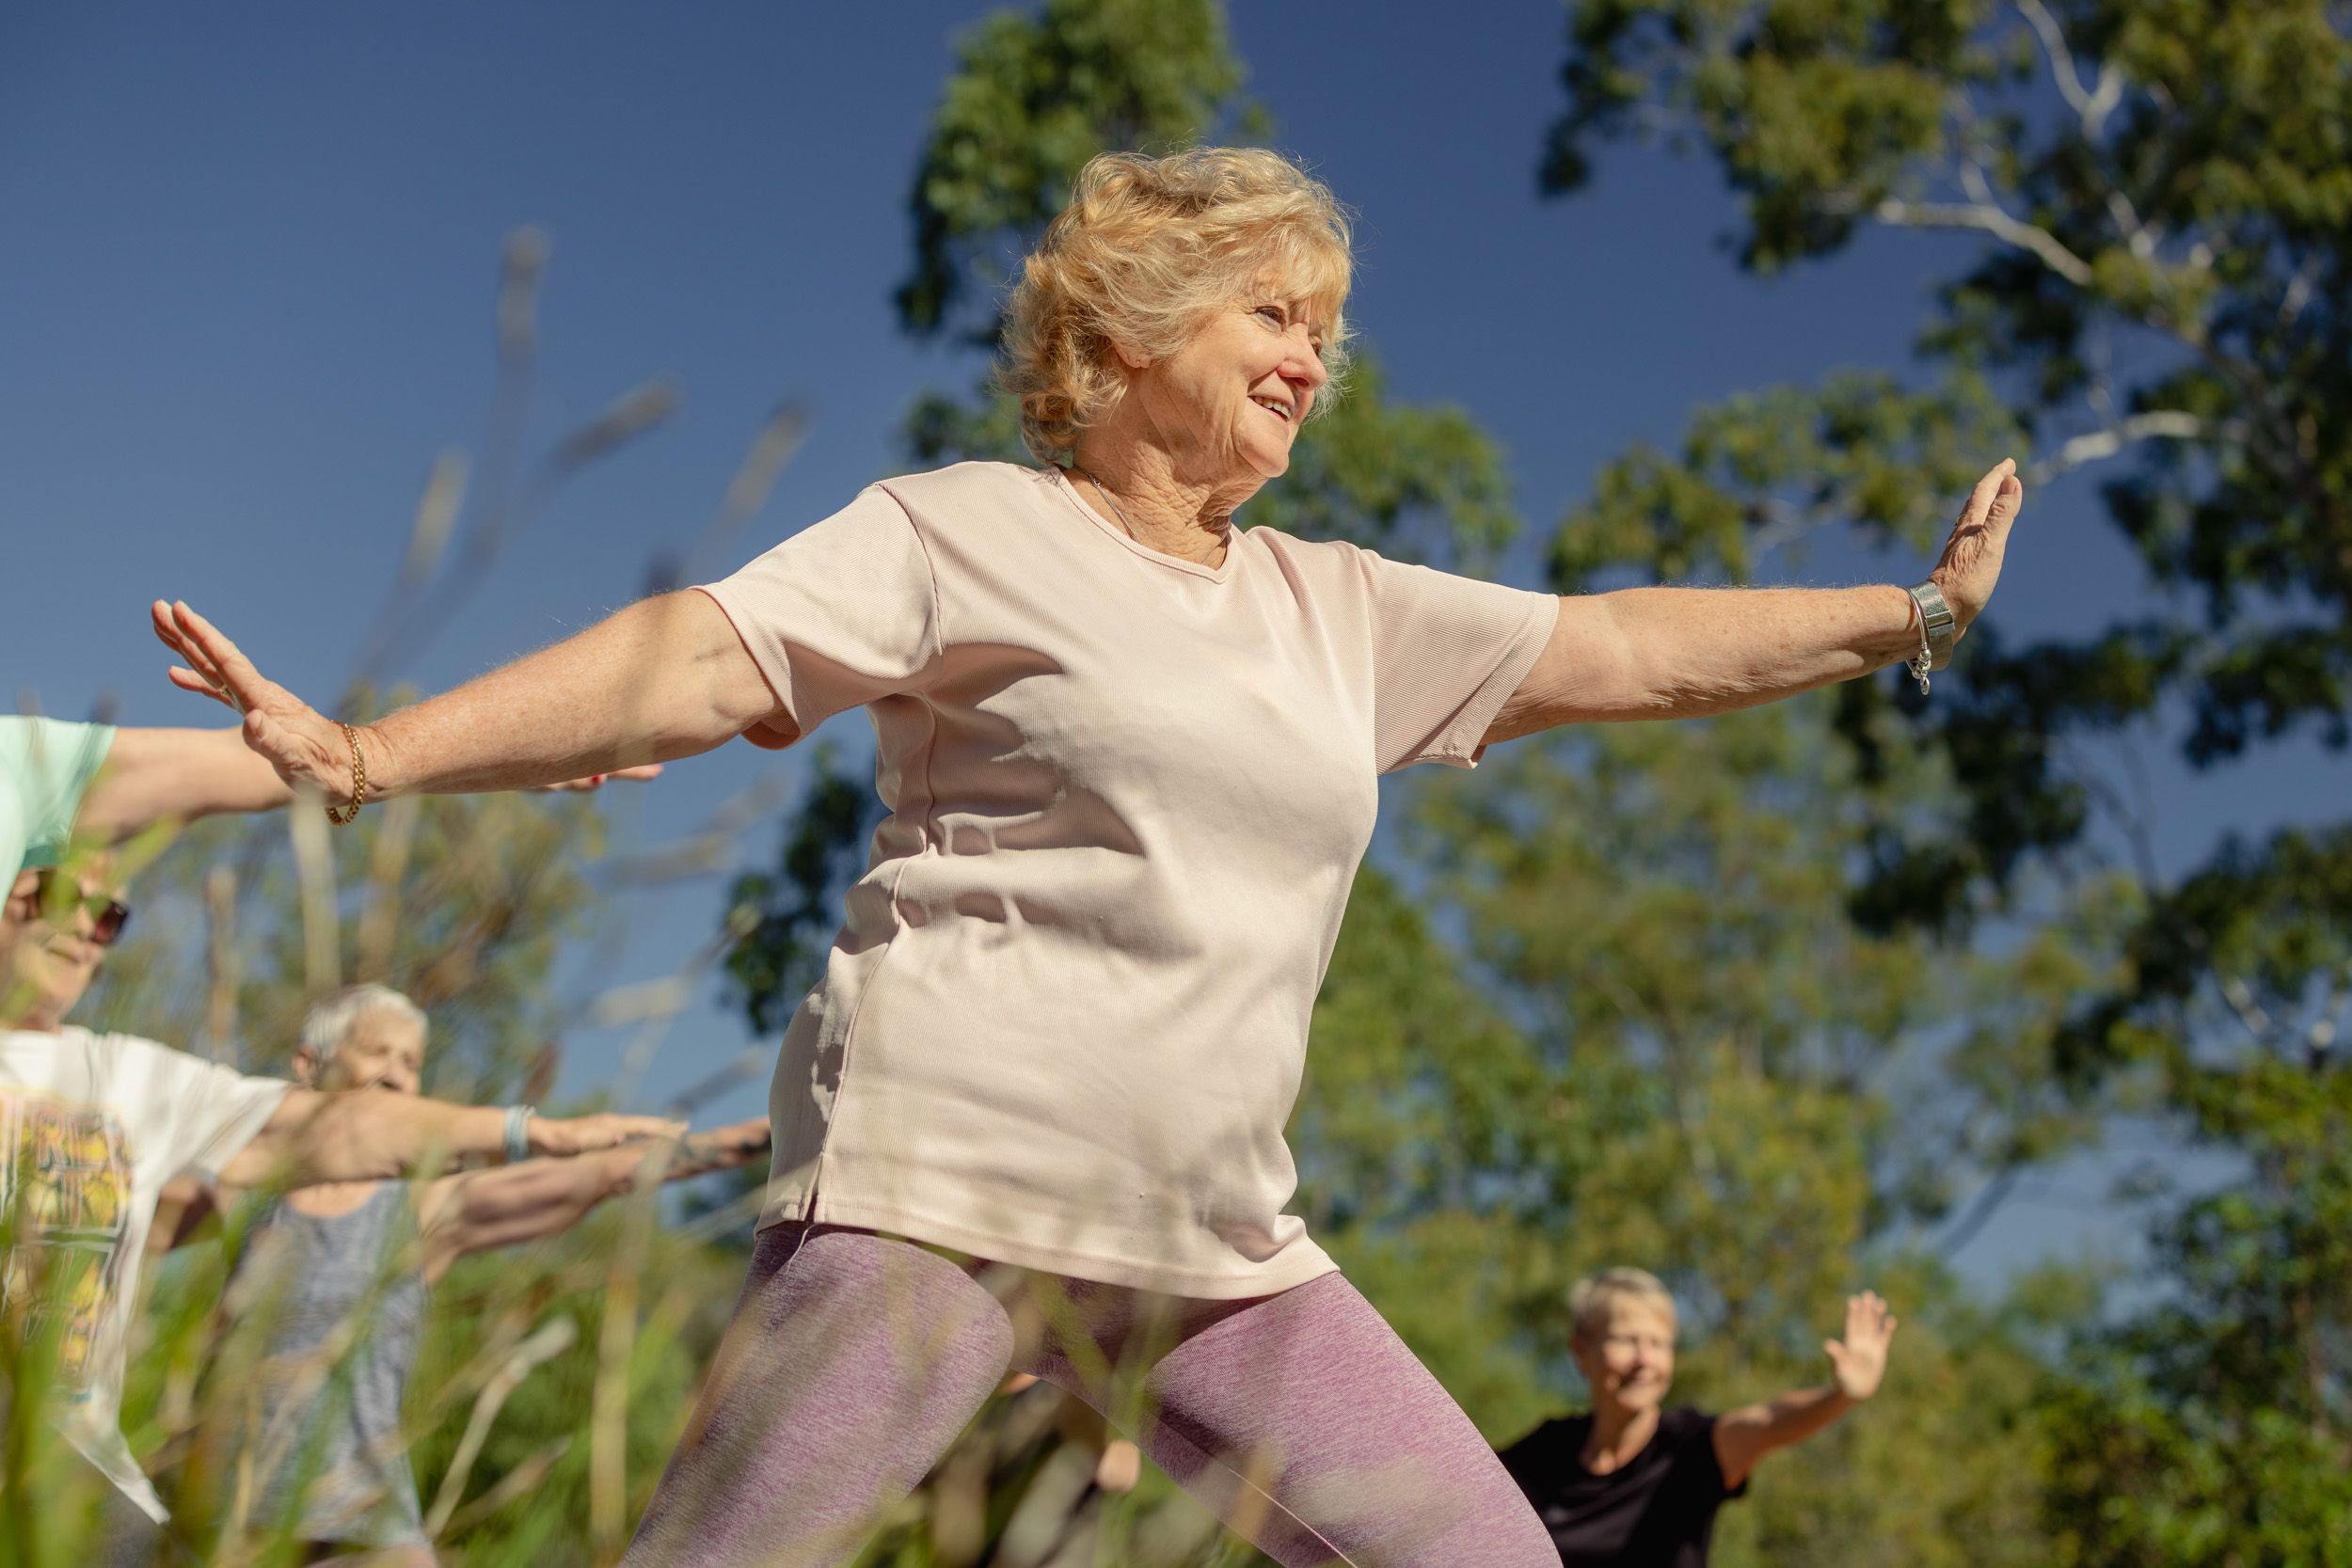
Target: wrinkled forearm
point(156, 774)
point(1696, 651)
point(1684, 652)
point(664, 678)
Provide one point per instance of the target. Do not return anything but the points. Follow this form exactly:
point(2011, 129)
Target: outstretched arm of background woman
point(666, 677)
point(1682, 652)
point(365, 1135)
point(507, 1205)
point(1857, 1365)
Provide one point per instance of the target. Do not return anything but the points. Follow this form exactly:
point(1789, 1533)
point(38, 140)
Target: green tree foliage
point(1672, 1046)
point(2163, 196)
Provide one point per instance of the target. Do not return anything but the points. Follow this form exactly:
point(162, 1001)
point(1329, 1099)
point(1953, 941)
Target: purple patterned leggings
point(854, 1360)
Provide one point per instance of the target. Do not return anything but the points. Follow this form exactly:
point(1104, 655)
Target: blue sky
point(248, 254)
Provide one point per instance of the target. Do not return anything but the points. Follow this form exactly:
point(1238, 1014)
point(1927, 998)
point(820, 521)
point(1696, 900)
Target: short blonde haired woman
point(1633, 1483)
point(1031, 1118)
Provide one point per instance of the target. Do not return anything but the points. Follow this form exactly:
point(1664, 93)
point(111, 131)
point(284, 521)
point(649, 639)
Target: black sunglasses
point(55, 895)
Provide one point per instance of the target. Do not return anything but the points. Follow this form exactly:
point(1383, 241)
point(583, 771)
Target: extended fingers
point(1866, 1312)
point(189, 680)
point(216, 658)
point(209, 643)
point(597, 781)
point(622, 1128)
point(2002, 477)
point(198, 674)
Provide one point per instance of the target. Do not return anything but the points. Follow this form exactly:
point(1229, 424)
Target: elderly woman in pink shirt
point(1031, 1118)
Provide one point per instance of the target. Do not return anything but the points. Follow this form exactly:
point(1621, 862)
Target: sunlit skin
point(1628, 1362)
point(1194, 436)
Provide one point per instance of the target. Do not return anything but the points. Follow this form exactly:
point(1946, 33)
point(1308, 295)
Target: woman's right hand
point(308, 748)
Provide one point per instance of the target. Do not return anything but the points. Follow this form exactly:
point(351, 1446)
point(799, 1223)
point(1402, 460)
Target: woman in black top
point(1636, 1485)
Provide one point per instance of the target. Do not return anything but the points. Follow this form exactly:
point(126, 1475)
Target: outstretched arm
point(483, 1209)
point(153, 775)
point(1683, 652)
point(1744, 1436)
point(366, 1136)
point(666, 677)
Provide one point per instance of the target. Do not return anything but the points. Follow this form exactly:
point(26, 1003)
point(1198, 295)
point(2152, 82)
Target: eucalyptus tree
point(2163, 204)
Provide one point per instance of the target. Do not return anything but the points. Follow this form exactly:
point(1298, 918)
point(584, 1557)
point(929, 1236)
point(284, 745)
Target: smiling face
point(48, 956)
point(383, 1048)
point(1228, 404)
point(1628, 1359)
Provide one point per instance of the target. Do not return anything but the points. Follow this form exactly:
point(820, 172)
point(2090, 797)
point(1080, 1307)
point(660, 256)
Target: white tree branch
point(1992, 220)
point(2158, 424)
point(2092, 107)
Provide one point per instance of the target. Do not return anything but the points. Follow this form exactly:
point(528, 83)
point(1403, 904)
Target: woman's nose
point(1305, 362)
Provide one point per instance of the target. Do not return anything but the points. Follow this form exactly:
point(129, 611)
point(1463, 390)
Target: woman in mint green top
point(46, 766)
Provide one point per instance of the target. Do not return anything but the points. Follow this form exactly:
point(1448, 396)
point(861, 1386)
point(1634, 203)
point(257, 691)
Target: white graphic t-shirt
point(91, 1127)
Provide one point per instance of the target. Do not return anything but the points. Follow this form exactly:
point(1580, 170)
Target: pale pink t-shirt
point(1065, 1020)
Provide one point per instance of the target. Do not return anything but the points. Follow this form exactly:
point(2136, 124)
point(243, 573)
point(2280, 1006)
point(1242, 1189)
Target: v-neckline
point(1193, 568)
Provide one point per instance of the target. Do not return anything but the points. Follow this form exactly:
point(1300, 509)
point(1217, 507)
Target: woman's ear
point(305, 1067)
point(1129, 355)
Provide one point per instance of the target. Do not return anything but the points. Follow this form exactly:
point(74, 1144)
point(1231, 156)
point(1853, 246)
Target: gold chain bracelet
point(359, 780)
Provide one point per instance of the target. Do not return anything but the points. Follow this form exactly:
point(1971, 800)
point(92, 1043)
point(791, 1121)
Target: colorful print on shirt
point(65, 1183)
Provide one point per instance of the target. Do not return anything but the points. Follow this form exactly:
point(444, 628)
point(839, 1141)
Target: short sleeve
point(46, 766)
point(1448, 652)
point(842, 613)
point(1532, 1462)
point(1691, 1432)
point(215, 1111)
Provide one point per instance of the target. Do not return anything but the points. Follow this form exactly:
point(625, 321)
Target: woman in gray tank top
point(336, 1277)
point(343, 1296)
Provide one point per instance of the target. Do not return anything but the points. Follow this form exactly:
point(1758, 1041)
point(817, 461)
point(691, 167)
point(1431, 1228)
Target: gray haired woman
point(1031, 1118)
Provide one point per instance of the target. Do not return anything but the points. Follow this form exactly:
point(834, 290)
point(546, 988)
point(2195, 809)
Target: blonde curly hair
point(1146, 250)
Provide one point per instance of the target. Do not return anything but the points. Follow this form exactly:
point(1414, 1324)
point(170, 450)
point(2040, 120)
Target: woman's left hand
point(1860, 1358)
point(309, 750)
point(1971, 562)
